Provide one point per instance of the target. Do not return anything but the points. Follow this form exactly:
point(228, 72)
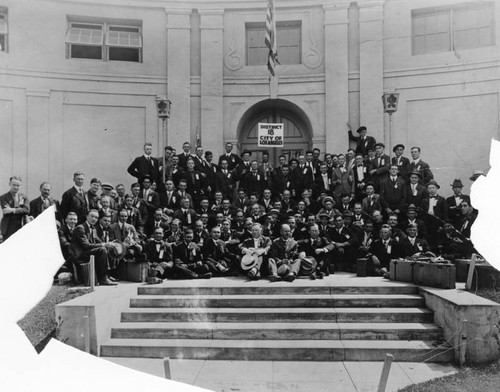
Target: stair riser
point(287, 317)
point(275, 289)
point(274, 303)
point(284, 334)
point(300, 354)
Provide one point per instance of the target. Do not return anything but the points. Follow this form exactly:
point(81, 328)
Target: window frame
point(280, 25)
point(452, 27)
point(107, 27)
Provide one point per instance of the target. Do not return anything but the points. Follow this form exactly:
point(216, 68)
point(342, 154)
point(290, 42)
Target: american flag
point(270, 39)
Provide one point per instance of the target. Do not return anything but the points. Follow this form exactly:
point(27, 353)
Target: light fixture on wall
point(163, 106)
point(390, 101)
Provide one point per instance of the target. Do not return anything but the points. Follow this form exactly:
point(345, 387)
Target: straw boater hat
point(308, 265)
point(248, 262)
point(117, 250)
point(397, 146)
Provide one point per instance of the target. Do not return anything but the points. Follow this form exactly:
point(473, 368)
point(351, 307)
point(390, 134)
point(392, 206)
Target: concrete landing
point(270, 376)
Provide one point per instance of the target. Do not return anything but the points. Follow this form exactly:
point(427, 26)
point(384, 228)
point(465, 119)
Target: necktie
point(386, 243)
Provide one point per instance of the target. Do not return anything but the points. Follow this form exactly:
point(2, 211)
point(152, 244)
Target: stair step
point(282, 331)
point(374, 315)
point(280, 288)
point(273, 301)
point(276, 350)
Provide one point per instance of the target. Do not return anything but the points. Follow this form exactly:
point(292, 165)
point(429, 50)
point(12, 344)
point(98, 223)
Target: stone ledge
point(461, 313)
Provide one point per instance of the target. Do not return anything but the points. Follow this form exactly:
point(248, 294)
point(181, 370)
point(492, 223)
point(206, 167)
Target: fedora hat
point(417, 173)
point(308, 265)
point(457, 183)
point(397, 146)
point(328, 198)
point(363, 128)
point(432, 182)
point(117, 250)
point(476, 174)
point(246, 152)
point(283, 269)
point(248, 262)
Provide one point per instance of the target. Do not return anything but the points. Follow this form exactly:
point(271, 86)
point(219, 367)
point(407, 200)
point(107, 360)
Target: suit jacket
point(302, 179)
point(254, 182)
point(319, 184)
point(65, 238)
point(75, 202)
point(382, 168)
point(424, 170)
point(141, 167)
point(12, 222)
point(115, 233)
point(233, 160)
point(214, 250)
point(154, 253)
point(224, 183)
point(358, 179)
point(279, 183)
point(264, 243)
point(179, 214)
point(171, 204)
point(196, 184)
point(454, 209)
point(422, 230)
point(416, 199)
point(370, 206)
point(403, 165)
point(177, 175)
point(183, 158)
point(408, 249)
point(150, 227)
point(393, 195)
point(362, 146)
point(343, 180)
point(182, 254)
point(36, 207)
point(393, 251)
point(152, 201)
point(279, 251)
point(84, 240)
point(440, 209)
point(309, 248)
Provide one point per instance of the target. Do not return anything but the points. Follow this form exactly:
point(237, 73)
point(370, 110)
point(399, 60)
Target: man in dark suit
point(382, 251)
point(281, 180)
point(411, 218)
point(467, 218)
point(393, 192)
point(134, 215)
point(176, 172)
point(415, 191)
point(302, 176)
point(363, 142)
point(360, 173)
point(150, 198)
point(412, 244)
point(372, 200)
point(159, 221)
point(185, 155)
point(44, 201)
point(380, 165)
point(186, 215)
point(169, 199)
point(254, 179)
point(145, 165)
point(454, 202)
point(65, 233)
point(188, 262)
point(283, 257)
point(318, 247)
point(420, 166)
point(86, 243)
point(15, 207)
point(233, 160)
point(345, 243)
point(216, 254)
point(224, 179)
point(402, 162)
point(159, 254)
point(196, 183)
point(125, 233)
point(211, 170)
point(75, 199)
point(242, 169)
point(436, 212)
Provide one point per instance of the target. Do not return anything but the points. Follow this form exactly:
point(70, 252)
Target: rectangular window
point(104, 41)
point(459, 27)
point(4, 30)
point(288, 39)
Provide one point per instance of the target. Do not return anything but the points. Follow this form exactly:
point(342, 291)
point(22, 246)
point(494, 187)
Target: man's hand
point(8, 210)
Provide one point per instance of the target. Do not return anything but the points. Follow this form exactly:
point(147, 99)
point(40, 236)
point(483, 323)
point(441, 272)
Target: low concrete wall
point(103, 307)
point(459, 312)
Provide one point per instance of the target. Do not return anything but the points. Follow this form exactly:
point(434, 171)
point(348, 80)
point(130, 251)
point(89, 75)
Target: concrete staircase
point(316, 321)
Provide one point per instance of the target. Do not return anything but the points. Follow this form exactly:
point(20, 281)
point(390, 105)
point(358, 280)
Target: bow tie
point(432, 197)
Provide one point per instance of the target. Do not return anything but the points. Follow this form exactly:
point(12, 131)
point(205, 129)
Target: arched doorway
point(296, 125)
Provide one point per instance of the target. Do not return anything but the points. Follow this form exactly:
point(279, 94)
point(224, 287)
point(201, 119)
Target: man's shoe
point(289, 277)
point(321, 275)
point(252, 274)
point(313, 276)
point(274, 278)
point(113, 279)
point(106, 282)
point(208, 275)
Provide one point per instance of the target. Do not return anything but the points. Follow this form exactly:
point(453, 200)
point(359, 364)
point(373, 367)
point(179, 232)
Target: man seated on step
point(216, 255)
point(188, 262)
point(381, 252)
point(412, 245)
point(255, 249)
point(159, 255)
point(283, 257)
point(125, 233)
point(318, 248)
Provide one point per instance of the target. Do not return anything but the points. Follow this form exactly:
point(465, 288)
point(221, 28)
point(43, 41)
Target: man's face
point(267, 194)
point(277, 205)
point(341, 159)
point(369, 190)
point(78, 180)
point(226, 204)
point(291, 222)
point(215, 233)
point(457, 190)
point(377, 216)
point(253, 199)
point(169, 185)
point(393, 171)
point(286, 194)
point(359, 160)
point(265, 158)
point(219, 217)
point(256, 230)
point(120, 189)
point(254, 165)
point(182, 186)
point(309, 157)
point(415, 153)
point(129, 201)
point(158, 234)
point(105, 203)
point(282, 161)
point(362, 133)
point(246, 157)
point(199, 152)
point(339, 222)
point(229, 147)
point(465, 208)
point(188, 237)
point(123, 217)
point(368, 227)
point(379, 150)
point(175, 160)
point(239, 217)
point(392, 221)
point(371, 153)
point(432, 189)
point(45, 190)
point(302, 159)
point(218, 196)
point(346, 200)
point(328, 205)
point(323, 169)
point(226, 226)
point(316, 154)
point(199, 226)
point(174, 225)
point(285, 232)
point(168, 154)
point(248, 225)
point(412, 232)
point(285, 170)
point(385, 233)
point(71, 220)
point(148, 150)
point(113, 193)
point(305, 194)
point(204, 218)
point(186, 147)
point(328, 158)
point(358, 209)
point(314, 231)
point(223, 165)
point(105, 221)
point(204, 204)
point(158, 216)
point(94, 187)
point(92, 217)
point(255, 209)
point(399, 151)
point(185, 203)
point(411, 214)
point(190, 165)
point(301, 206)
point(241, 194)
point(414, 179)
point(146, 183)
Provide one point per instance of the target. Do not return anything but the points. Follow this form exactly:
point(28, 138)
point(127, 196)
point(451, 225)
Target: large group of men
point(189, 217)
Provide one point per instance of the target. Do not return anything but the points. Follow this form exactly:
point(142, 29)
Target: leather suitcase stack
point(439, 275)
point(133, 271)
point(401, 270)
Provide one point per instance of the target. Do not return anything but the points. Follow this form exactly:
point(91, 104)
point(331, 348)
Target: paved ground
point(260, 376)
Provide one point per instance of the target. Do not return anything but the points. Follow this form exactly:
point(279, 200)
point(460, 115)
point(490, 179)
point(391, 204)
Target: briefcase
point(401, 270)
point(361, 267)
point(133, 271)
point(441, 275)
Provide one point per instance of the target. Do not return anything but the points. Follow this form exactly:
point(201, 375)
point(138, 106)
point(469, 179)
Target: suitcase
point(361, 267)
point(463, 268)
point(434, 275)
point(133, 271)
point(485, 277)
point(401, 270)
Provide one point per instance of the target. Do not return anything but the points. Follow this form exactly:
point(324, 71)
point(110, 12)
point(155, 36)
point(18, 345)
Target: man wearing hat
point(106, 189)
point(420, 166)
point(415, 191)
point(412, 244)
point(255, 250)
point(363, 142)
point(328, 208)
point(454, 201)
point(283, 257)
point(380, 165)
point(411, 219)
point(402, 162)
point(476, 174)
point(436, 212)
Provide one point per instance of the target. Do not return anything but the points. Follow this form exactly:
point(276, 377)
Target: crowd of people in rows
point(191, 218)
